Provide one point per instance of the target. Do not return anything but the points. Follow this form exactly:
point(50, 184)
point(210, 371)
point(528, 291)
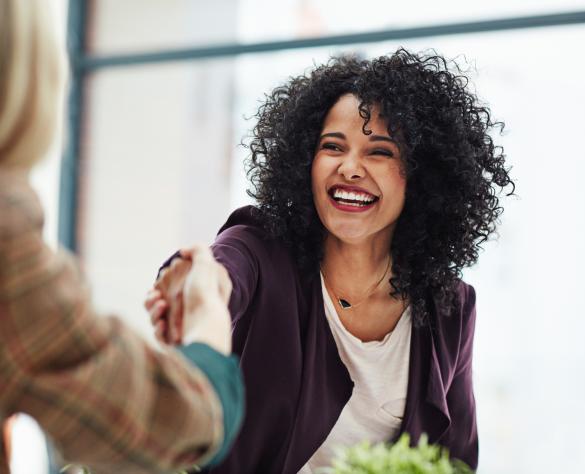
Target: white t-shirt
point(379, 371)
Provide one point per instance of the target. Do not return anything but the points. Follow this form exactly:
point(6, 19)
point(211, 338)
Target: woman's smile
point(351, 198)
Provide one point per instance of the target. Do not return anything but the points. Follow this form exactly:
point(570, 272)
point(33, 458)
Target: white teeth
point(352, 196)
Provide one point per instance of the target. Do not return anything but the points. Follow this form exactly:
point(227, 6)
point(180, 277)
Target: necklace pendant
point(344, 303)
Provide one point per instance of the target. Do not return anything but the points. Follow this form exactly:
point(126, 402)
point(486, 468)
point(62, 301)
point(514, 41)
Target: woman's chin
point(349, 234)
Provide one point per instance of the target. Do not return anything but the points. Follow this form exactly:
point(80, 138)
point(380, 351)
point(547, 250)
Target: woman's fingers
point(158, 310)
point(176, 320)
point(173, 320)
point(160, 331)
point(152, 297)
point(171, 285)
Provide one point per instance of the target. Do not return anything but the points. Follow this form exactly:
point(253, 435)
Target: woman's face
point(358, 187)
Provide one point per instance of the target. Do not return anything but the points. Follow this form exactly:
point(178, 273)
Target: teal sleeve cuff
point(224, 374)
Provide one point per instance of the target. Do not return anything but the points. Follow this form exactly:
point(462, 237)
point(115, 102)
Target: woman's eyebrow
point(382, 138)
point(332, 135)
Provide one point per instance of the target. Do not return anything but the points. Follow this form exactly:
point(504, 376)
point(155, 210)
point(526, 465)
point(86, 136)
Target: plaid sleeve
point(105, 397)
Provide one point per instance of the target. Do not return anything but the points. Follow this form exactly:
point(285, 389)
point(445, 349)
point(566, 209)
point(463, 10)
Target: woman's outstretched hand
point(189, 301)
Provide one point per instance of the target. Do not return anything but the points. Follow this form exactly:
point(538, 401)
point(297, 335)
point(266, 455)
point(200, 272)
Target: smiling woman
point(358, 188)
point(376, 182)
point(359, 174)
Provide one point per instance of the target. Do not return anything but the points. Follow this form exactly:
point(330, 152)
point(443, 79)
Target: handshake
point(188, 302)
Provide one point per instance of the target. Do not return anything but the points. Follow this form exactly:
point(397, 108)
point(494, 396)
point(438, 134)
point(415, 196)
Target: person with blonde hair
point(105, 397)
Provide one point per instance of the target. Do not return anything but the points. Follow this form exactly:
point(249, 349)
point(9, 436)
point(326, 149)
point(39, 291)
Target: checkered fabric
point(104, 396)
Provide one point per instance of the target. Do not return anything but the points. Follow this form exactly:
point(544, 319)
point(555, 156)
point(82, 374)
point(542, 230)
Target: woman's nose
point(351, 167)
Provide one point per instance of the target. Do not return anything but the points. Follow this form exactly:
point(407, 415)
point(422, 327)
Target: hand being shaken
point(189, 301)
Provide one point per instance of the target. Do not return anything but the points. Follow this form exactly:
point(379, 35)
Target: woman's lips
point(351, 208)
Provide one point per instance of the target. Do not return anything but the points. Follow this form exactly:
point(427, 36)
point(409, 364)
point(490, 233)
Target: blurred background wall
point(160, 167)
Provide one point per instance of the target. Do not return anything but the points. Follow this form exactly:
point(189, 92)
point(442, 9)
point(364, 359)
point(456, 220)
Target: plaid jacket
point(103, 395)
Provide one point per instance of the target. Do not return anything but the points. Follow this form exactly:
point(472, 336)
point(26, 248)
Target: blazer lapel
point(426, 401)
point(436, 396)
point(326, 388)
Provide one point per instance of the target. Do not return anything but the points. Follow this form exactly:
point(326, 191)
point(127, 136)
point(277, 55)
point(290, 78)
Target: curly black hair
point(452, 167)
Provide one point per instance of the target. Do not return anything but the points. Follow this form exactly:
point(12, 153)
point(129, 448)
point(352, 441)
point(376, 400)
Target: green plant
point(399, 458)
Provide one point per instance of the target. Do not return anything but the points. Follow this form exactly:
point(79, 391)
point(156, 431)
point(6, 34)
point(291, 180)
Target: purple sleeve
point(235, 249)
point(464, 441)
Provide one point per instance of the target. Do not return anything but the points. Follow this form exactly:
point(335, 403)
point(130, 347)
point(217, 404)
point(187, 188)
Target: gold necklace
point(342, 302)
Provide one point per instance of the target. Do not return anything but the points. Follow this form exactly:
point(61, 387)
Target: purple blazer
point(296, 384)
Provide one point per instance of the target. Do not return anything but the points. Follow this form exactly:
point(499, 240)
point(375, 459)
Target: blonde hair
point(31, 81)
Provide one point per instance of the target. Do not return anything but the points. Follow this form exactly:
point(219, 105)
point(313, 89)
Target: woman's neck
point(353, 268)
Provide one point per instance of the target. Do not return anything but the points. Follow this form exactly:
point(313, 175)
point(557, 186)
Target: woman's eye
point(331, 146)
point(387, 153)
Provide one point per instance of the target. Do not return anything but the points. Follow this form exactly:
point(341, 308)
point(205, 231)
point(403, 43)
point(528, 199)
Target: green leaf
point(399, 458)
